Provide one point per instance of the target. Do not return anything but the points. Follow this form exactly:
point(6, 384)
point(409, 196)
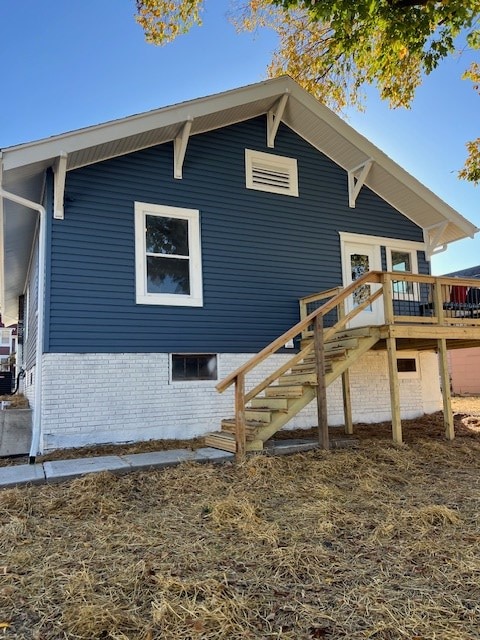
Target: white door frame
point(374, 314)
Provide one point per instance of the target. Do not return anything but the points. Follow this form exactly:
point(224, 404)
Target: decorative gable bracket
point(59, 176)
point(356, 180)
point(180, 148)
point(274, 117)
point(431, 236)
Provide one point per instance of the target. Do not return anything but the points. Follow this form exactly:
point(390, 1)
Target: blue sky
point(73, 63)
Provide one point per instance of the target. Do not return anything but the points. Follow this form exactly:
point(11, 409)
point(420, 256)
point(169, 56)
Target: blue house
point(149, 257)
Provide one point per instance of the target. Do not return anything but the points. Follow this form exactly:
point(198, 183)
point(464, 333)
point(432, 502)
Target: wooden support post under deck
point(394, 390)
point(445, 380)
point(347, 403)
point(240, 430)
point(321, 386)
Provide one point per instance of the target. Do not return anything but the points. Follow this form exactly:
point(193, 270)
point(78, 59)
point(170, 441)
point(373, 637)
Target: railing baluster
point(240, 427)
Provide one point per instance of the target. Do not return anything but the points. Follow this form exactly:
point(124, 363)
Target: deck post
point(347, 402)
point(394, 390)
point(321, 386)
point(240, 430)
point(446, 395)
point(388, 298)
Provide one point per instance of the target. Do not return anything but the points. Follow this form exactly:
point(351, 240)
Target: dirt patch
point(379, 542)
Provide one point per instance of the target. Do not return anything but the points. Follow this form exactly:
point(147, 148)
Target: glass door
point(359, 258)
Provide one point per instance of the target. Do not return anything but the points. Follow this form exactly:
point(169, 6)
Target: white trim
point(274, 117)
point(235, 106)
point(270, 162)
point(355, 183)
point(180, 148)
point(59, 177)
point(432, 235)
point(347, 236)
point(415, 294)
point(195, 299)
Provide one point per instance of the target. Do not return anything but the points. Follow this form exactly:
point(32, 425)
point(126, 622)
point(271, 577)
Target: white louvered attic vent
point(267, 172)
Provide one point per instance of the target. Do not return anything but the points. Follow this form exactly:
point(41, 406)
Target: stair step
point(336, 354)
point(263, 414)
point(341, 343)
point(309, 367)
point(276, 404)
point(284, 391)
point(223, 441)
point(289, 379)
point(251, 427)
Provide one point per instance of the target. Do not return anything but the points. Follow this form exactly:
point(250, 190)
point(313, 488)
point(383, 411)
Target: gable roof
point(24, 165)
point(470, 272)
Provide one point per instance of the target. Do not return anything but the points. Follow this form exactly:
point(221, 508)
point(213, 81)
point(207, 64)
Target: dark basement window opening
point(194, 367)
point(406, 365)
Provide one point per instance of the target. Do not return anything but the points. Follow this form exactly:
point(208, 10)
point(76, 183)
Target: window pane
point(401, 261)
point(360, 264)
point(166, 235)
point(178, 368)
point(207, 367)
point(194, 367)
point(168, 275)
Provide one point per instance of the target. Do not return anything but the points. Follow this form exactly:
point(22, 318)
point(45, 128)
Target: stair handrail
point(372, 277)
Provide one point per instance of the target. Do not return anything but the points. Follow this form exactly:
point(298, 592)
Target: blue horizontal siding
point(260, 251)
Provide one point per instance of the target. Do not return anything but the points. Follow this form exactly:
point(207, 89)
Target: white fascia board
point(115, 130)
point(374, 153)
point(48, 149)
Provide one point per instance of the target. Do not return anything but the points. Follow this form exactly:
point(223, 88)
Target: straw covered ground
point(378, 542)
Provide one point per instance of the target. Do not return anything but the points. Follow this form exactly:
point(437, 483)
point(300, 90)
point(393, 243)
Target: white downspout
point(37, 409)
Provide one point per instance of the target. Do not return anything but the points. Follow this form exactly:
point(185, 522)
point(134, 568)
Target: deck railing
point(407, 298)
point(410, 298)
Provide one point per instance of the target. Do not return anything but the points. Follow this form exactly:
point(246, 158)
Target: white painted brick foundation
point(100, 398)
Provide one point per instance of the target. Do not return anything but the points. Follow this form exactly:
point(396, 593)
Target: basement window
point(407, 367)
point(268, 172)
point(195, 366)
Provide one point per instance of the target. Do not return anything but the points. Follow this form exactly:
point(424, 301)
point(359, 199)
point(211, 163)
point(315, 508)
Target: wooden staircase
point(273, 407)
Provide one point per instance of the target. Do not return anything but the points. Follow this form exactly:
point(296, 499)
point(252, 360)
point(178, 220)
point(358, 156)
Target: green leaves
point(334, 48)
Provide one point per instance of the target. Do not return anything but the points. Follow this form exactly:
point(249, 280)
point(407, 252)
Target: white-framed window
point(272, 173)
point(168, 255)
point(188, 367)
point(403, 260)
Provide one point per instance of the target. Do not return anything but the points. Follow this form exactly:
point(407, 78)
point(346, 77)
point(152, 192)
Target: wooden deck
point(420, 313)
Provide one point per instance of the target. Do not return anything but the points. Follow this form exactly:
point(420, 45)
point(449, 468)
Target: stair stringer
point(339, 367)
point(281, 419)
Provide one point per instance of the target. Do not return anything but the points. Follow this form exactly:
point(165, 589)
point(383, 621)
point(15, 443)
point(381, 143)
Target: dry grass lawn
point(378, 542)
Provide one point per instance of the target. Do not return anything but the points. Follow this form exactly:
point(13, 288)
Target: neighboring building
point(177, 243)
point(8, 339)
point(464, 364)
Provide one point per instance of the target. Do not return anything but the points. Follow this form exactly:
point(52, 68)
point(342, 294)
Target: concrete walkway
point(60, 470)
